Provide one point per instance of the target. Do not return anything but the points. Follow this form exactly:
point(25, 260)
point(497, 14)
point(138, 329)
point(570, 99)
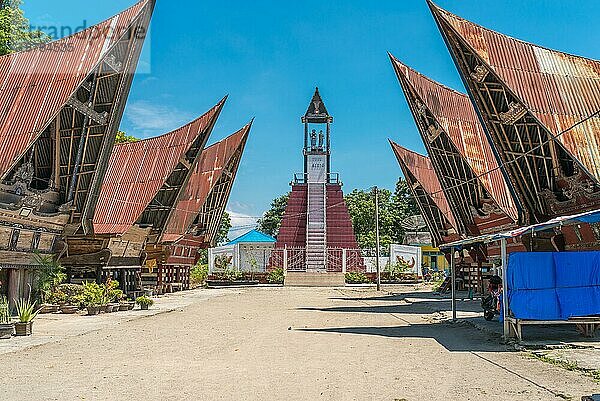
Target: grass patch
point(567, 365)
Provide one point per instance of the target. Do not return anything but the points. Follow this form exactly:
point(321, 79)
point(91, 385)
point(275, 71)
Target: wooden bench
point(586, 325)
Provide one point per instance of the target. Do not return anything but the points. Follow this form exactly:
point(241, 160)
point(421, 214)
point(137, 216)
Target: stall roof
point(253, 236)
point(589, 217)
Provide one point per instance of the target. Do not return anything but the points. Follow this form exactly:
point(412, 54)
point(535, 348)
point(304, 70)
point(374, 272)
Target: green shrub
point(56, 297)
point(50, 274)
point(198, 275)
point(399, 271)
point(276, 276)
point(357, 277)
point(67, 293)
point(92, 294)
point(230, 274)
point(144, 300)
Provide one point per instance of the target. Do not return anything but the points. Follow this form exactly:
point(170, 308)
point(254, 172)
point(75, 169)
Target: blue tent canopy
point(253, 236)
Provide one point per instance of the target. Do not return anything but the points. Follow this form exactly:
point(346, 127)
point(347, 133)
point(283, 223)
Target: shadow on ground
point(455, 338)
point(427, 302)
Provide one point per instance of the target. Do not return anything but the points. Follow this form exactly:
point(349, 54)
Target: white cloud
point(241, 220)
point(240, 223)
point(149, 119)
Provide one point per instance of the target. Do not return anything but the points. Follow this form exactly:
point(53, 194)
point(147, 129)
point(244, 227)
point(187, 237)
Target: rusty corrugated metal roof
point(455, 112)
point(205, 175)
point(35, 84)
point(136, 172)
point(420, 166)
point(560, 89)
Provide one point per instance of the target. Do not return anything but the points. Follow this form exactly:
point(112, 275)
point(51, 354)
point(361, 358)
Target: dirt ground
point(286, 344)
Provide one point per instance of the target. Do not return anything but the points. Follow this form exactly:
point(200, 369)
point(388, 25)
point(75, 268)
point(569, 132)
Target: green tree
point(404, 205)
point(122, 137)
point(15, 31)
point(361, 206)
point(224, 229)
point(393, 209)
point(271, 220)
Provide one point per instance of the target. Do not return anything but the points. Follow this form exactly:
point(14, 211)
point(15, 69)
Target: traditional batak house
point(540, 111)
point(316, 226)
point(196, 221)
point(59, 114)
point(460, 154)
point(139, 194)
point(462, 159)
point(428, 194)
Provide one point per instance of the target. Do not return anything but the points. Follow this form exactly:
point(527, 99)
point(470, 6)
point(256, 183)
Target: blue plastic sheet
point(553, 285)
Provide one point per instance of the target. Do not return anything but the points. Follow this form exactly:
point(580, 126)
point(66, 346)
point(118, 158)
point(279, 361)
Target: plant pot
point(113, 307)
point(69, 309)
point(6, 331)
point(144, 307)
point(105, 309)
point(130, 305)
point(49, 308)
point(23, 329)
point(123, 307)
point(93, 310)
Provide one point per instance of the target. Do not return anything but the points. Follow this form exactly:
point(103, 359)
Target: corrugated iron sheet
point(420, 166)
point(454, 111)
point(559, 89)
point(205, 175)
point(35, 84)
point(136, 172)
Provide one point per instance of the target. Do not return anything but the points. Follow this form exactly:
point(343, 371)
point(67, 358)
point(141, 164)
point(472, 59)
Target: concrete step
point(314, 279)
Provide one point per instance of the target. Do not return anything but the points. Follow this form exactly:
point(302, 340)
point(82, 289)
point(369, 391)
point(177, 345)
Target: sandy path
point(285, 344)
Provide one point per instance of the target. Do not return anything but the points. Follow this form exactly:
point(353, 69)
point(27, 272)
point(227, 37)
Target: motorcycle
point(491, 303)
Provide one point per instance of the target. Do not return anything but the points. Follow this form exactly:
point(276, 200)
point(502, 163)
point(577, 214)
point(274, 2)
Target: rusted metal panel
point(560, 89)
point(137, 171)
point(206, 174)
point(35, 84)
point(420, 166)
point(454, 111)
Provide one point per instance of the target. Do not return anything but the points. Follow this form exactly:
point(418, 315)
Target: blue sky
point(268, 56)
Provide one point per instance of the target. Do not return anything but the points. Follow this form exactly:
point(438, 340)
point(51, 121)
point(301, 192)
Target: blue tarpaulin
point(553, 285)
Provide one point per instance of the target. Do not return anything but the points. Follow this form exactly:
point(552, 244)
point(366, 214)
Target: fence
point(341, 260)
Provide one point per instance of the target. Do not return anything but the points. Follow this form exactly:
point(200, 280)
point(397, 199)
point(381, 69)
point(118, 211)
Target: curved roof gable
point(35, 84)
point(455, 112)
point(420, 166)
point(206, 174)
point(138, 170)
point(560, 89)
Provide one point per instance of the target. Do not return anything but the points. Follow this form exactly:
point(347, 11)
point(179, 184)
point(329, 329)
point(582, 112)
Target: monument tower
point(316, 217)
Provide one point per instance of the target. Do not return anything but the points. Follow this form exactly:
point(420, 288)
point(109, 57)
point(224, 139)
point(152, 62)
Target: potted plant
point(123, 306)
point(50, 274)
point(26, 313)
point(7, 328)
point(144, 302)
point(115, 295)
point(70, 294)
point(91, 297)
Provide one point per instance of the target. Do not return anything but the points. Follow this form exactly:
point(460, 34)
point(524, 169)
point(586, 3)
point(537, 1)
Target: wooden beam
point(57, 152)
